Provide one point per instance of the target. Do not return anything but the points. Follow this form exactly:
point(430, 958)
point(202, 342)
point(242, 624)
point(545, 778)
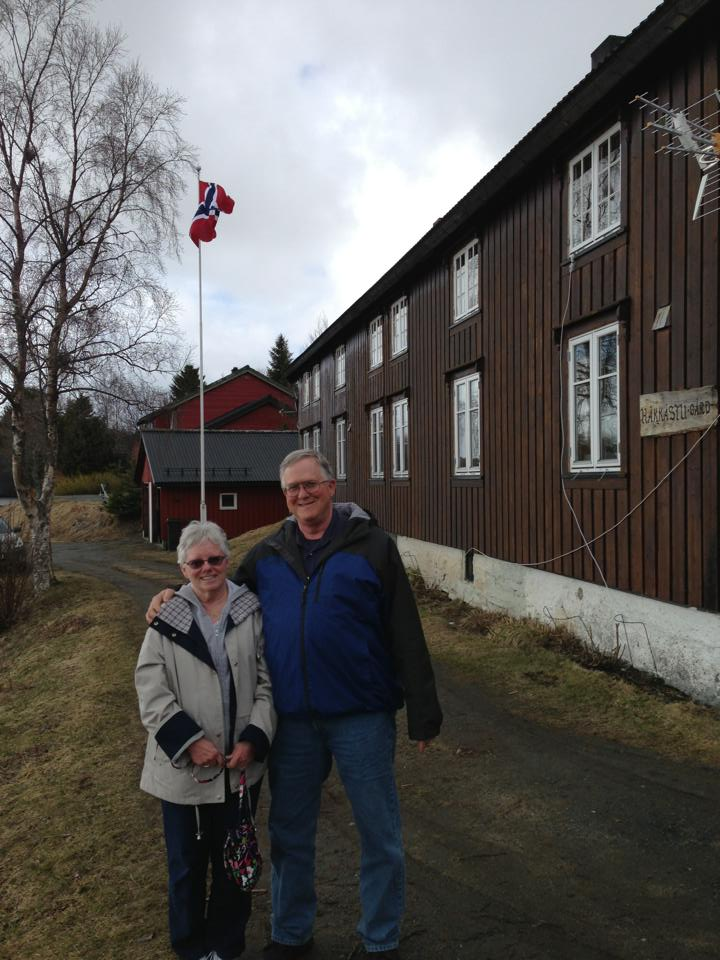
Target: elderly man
point(345, 648)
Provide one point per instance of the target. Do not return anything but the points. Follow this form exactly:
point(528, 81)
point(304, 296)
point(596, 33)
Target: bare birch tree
point(91, 168)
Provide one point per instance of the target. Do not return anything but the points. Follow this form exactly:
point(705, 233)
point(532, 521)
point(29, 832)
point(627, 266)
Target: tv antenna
point(692, 132)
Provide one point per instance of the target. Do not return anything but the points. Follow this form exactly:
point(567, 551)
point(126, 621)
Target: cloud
point(343, 131)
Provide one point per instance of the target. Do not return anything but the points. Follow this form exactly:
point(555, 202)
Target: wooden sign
point(677, 411)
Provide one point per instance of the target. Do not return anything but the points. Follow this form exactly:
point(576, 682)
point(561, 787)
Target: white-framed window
point(375, 337)
point(466, 425)
point(305, 436)
point(466, 272)
point(400, 437)
point(594, 401)
point(594, 204)
point(399, 321)
point(228, 501)
point(340, 366)
point(316, 439)
point(341, 448)
point(316, 382)
point(377, 466)
point(306, 389)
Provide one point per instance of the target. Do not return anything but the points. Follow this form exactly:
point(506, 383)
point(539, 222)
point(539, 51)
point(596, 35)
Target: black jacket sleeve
point(409, 650)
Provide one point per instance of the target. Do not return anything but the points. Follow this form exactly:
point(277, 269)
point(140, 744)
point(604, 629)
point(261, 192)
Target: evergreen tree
point(185, 383)
point(85, 442)
point(280, 360)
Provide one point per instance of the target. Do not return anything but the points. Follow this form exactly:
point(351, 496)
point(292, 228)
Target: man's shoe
point(286, 951)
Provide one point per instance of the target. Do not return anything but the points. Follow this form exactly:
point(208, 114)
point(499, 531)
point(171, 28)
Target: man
point(345, 647)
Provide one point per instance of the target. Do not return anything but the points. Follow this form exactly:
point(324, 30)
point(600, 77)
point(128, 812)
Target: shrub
point(88, 483)
point(15, 587)
point(125, 500)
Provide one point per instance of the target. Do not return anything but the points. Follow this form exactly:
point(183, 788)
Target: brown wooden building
point(493, 395)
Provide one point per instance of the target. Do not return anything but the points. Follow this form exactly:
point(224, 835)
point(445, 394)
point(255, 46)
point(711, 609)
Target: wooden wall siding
point(668, 548)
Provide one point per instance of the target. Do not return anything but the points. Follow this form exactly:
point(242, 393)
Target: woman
point(206, 702)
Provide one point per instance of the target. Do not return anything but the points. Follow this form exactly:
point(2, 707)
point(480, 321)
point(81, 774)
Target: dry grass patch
point(73, 521)
point(84, 871)
point(549, 675)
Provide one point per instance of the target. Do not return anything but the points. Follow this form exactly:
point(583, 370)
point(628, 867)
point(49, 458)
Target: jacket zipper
point(303, 652)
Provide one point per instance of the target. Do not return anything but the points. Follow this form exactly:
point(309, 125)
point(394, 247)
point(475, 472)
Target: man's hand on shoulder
point(157, 601)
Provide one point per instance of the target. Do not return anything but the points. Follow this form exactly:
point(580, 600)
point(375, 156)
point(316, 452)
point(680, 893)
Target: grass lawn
point(83, 857)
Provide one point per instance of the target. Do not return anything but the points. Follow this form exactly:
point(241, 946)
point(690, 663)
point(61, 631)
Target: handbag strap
point(244, 797)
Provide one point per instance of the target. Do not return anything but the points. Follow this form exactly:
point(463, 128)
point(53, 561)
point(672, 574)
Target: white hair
point(197, 531)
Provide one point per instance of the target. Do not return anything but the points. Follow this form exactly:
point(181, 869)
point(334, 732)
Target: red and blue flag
point(213, 202)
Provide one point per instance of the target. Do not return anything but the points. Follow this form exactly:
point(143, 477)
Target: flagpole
point(203, 506)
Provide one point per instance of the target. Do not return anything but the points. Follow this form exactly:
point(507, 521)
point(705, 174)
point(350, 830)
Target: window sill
point(608, 479)
point(466, 316)
point(399, 355)
point(403, 481)
point(593, 245)
point(470, 480)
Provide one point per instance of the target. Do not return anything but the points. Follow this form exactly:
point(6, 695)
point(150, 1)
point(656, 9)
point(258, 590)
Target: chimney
point(606, 48)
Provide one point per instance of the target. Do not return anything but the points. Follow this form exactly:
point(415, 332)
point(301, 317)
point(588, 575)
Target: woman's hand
point(204, 753)
point(157, 601)
point(242, 756)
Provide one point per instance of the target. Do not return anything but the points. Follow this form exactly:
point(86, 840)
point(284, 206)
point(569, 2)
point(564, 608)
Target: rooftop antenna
point(692, 131)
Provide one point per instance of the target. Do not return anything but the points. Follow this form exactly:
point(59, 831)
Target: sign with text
point(677, 411)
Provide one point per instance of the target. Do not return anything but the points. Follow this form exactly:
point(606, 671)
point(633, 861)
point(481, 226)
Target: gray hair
point(197, 531)
point(292, 458)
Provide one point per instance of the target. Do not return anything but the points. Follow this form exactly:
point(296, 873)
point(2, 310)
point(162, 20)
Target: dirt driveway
point(523, 843)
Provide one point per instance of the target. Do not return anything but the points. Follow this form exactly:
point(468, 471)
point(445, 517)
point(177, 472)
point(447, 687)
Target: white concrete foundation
point(679, 644)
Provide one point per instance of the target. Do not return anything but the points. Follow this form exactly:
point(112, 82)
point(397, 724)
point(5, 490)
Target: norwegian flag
point(213, 201)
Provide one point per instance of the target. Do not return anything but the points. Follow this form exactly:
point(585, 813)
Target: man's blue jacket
point(348, 638)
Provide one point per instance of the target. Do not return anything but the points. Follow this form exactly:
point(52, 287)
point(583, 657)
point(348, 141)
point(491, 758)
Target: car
point(10, 540)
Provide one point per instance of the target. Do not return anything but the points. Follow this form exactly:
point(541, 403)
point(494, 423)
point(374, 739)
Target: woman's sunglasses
point(213, 561)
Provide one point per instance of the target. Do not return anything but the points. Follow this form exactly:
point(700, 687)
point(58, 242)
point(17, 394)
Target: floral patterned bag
point(243, 862)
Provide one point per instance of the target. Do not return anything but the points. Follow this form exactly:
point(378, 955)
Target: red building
point(250, 425)
point(244, 400)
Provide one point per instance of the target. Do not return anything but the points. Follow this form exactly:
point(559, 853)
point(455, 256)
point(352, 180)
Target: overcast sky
point(343, 129)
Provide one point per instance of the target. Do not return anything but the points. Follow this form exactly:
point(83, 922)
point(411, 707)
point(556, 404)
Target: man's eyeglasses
point(213, 561)
point(309, 486)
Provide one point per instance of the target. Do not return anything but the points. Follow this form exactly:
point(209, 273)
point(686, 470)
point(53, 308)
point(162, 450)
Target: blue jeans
point(197, 927)
point(363, 746)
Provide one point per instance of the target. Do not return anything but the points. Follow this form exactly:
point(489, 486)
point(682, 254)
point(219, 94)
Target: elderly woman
point(206, 702)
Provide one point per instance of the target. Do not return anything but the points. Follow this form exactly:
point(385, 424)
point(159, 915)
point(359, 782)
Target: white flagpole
point(203, 506)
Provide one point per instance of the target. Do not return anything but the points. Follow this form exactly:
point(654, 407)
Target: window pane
point(581, 357)
point(460, 401)
point(461, 442)
point(608, 419)
point(607, 354)
point(474, 392)
point(475, 439)
point(603, 215)
point(615, 147)
point(582, 423)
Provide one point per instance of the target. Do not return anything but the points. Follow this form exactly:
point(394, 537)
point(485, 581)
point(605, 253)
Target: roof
point(250, 407)
point(212, 386)
point(236, 456)
point(582, 101)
